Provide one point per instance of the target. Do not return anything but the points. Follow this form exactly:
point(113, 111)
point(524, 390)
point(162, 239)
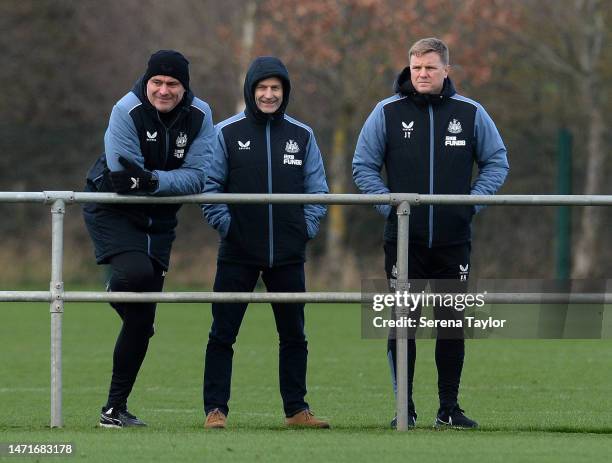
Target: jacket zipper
point(165, 159)
point(167, 145)
point(167, 130)
point(270, 221)
point(431, 171)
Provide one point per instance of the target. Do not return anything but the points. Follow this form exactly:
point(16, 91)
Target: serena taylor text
point(424, 322)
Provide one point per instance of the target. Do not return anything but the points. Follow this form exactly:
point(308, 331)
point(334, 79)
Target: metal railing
point(56, 295)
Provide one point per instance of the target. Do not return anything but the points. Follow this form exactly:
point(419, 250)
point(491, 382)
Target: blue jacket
point(428, 144)
point(261, 153)
point(177, 152)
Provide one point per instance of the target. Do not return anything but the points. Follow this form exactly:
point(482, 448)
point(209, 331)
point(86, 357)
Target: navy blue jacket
point(263, 153)
point(178, 154)
point(428, 144)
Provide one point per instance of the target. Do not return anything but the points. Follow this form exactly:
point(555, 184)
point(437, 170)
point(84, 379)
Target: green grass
point(535, 400)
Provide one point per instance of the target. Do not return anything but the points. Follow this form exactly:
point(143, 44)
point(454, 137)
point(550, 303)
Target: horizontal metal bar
point(213, 297)
point(238, 198)
point(518, 200)
point(396, 198)
point(309, 297)
point(21, 197)
point(25, 296)
point(233, 198)
point(548, 298)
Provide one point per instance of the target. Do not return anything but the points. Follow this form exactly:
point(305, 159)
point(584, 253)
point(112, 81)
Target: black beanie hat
point(168, 63)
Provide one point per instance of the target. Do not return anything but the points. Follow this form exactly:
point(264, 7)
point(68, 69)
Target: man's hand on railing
point(133, 179)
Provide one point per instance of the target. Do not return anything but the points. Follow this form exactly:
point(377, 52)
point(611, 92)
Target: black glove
point(133, 179)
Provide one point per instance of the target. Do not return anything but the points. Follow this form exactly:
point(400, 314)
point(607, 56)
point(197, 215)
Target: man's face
point(164, 92)
point(269, 95)
point(427, 73)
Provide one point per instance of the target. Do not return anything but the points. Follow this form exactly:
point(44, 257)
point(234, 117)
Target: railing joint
point(54, 196)
point(411, 198)
point(57, 297)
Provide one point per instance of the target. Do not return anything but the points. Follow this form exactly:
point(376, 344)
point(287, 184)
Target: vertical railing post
point(401, 367)
point(57, 309)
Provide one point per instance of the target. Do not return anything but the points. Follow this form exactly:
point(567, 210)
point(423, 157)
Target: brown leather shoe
point(306, 419)
point(215, 419)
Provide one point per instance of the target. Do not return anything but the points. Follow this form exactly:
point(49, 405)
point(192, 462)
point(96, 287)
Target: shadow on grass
point(378, 429)
point(418, 429)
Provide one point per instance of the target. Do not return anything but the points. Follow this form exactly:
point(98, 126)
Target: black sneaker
point(454, 418)
point(114, 418)
point(412, 417)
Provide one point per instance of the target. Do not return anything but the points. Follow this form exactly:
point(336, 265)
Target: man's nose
point(163, 89)
point(269, 94)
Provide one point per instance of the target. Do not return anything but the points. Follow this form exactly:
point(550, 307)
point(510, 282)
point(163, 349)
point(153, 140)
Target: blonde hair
point(428, 45)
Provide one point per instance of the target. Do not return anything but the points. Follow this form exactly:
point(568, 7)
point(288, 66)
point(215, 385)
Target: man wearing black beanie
point(169, 63)
point(158, 142)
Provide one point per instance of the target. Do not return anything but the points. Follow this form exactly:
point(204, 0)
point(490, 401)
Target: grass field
point(535, 400)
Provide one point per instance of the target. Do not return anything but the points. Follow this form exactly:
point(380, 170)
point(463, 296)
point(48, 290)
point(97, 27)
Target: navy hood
point(262, 68)
point(403, 85)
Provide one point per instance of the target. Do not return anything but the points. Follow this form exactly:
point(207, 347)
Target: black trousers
point(446, 269)
point(227, 318)
point(132, 271)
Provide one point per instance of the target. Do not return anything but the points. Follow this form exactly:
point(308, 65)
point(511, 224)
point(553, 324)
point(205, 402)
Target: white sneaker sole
point(110, 426)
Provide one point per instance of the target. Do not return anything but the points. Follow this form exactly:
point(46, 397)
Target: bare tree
point(589, 39)
point(348, 52)
point(246, 47)
point(568, 37)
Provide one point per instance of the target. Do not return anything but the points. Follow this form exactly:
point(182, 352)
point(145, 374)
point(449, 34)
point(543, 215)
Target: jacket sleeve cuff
point(384, 209)
point(224, 226)
point(312, 228)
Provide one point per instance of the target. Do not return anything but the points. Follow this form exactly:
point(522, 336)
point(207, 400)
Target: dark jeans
point(227, 318)
point(132, 271)
point(446, 269)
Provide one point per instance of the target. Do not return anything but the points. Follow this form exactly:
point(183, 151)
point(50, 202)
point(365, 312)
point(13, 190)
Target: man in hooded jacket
point(428, 138)
point(262, 150)
point(158, 142)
